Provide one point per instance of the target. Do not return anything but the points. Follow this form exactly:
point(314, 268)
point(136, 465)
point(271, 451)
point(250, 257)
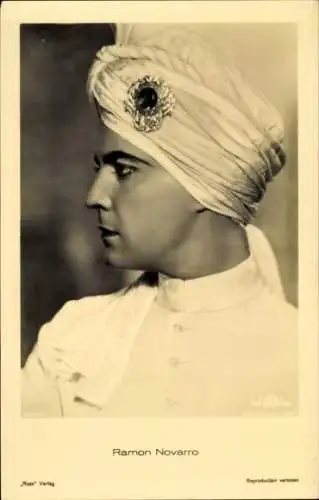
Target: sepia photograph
point(159, 287)
point(187, 306)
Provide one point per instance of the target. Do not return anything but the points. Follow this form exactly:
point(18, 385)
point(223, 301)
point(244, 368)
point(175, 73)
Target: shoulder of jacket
point(79, 308)
point(77, 318)
point(277, 310)
point(75, 312)
point(81, 325)
point(93, 303)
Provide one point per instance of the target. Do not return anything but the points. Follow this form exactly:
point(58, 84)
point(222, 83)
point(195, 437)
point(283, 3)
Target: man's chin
point(115, 259)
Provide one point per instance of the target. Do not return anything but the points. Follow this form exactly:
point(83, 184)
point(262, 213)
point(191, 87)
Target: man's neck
point(216, 245)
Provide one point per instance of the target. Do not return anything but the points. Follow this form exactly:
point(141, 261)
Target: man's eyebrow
point(113, 157)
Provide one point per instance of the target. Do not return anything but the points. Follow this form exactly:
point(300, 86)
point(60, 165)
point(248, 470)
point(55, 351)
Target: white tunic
point(220, 345)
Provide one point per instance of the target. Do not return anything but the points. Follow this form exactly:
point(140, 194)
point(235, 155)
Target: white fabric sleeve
point(40, 396)
point(39, 391)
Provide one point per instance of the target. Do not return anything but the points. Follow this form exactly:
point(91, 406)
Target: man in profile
point(188, 151)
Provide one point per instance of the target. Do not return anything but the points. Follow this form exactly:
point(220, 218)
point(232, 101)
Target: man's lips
point(107, 232)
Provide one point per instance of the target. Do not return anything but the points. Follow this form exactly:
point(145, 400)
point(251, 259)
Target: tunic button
point(174, 362)
point(178, 328)
point(171, 402)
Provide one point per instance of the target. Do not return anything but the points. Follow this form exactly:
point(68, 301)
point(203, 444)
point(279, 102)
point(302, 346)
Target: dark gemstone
point(146, 98)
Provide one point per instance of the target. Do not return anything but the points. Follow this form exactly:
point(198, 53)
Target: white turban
point(221, 140)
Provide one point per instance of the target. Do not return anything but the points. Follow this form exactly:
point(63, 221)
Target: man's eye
point(124, 170)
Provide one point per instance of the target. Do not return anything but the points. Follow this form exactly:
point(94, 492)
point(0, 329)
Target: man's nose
point(100, 193)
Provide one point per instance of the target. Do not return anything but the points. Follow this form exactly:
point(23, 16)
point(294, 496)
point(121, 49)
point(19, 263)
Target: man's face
point(144, 214)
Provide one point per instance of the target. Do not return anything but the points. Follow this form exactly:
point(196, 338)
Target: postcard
point(159, 260)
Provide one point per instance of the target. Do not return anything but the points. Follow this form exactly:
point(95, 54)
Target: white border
point(230, 450)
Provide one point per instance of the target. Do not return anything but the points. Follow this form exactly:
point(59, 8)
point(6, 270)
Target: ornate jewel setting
point(149, 101)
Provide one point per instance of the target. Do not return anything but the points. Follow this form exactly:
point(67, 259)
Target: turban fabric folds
point(222, 142)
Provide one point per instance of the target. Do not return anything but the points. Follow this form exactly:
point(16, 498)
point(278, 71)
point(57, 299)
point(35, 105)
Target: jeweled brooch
point(149, 101)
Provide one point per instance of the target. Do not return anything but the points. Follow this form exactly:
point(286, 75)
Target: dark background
point(61, 253)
